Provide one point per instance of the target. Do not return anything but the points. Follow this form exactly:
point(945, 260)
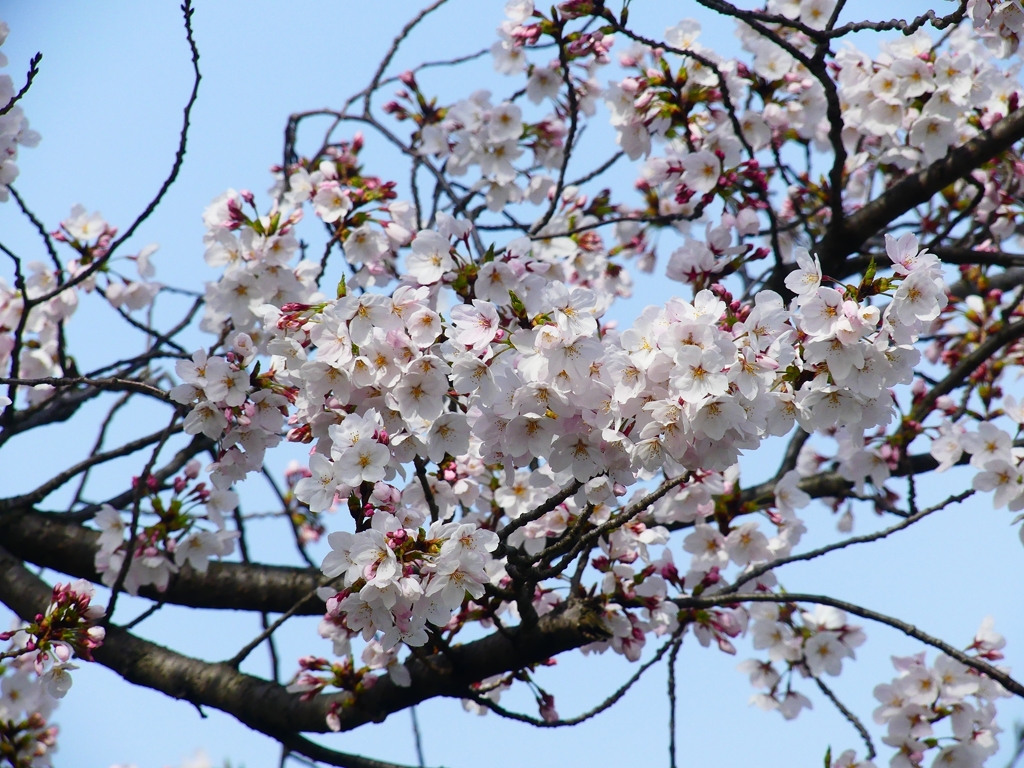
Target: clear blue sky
point(108, 103)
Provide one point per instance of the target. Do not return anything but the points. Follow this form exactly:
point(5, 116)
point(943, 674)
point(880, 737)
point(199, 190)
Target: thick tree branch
point(959, 373)
point(266, 706)
point(56, 542)
point(914, 190)
point(66, 547)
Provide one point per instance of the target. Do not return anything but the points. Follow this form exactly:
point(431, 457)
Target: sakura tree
point(503, 472)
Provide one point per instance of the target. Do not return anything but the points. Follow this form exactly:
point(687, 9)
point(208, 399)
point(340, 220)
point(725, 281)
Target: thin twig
point(672, 703)
point(141, 483)
point(854, 720)
point(143, 616)
point(239, 657)
point(112, 384)
point(420, 762)
point(33, 70)
point(590, 713)
point(179, 159)
point(906, 628)
point(395, 44)
point(54, 483)
point(755, 573)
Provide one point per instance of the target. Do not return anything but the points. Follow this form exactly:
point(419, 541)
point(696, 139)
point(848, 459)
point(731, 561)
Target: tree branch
point(33, 70)
point(914, 190)
point(267, 707)
point(852, 718)
point(865, 613)
point(44, 490)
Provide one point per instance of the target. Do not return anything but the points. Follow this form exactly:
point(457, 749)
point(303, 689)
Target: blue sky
point(108, 103)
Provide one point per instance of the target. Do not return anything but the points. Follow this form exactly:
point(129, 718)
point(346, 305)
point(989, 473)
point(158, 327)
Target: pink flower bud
point(547, 708)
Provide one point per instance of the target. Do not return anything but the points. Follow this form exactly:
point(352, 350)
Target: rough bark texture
point(269, 708)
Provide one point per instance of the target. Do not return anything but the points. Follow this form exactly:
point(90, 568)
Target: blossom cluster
point(809, 643)
point(91, 237)
point(318, 673)
point(901, 110)
point(999, 24)
point(485, 424)
point(35, 671)
point(994, 455)
point(475, 367)
point(26, 706)
point(524, 369)
point(244, 412)
point(14, 130)
point(34, 314)
point(253, 253)
point(396, 579)
point(907, 107)
point(160, 548)
point(475, 132)
point(924, 695)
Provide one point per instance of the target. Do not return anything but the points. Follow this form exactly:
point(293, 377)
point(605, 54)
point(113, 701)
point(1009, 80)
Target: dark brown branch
point(949, 255)
point(915, 190)
point(1003, 281)
point(428, 494)
point(55, 542)
point(907, 28)
point(269, 708)
point(966, 366)
point(312, 750)
point(108, 385)
point(828, 484)
point(51, 411)
point(51, 542)
point(672, 703)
